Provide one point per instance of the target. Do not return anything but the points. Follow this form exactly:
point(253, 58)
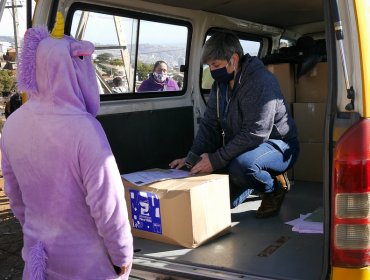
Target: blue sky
point(154, 32)
point(101, 30)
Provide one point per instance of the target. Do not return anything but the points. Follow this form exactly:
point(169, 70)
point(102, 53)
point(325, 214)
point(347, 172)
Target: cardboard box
point(309, 166)
point(284, 73)
point(290, 108)
point(313, 86)
point(185, 212)
point(310, 119)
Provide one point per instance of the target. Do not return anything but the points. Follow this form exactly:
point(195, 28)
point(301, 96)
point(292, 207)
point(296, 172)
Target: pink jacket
point(60, 174)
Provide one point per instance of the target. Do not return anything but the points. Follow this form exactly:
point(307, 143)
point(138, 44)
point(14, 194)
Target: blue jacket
point(257, 111)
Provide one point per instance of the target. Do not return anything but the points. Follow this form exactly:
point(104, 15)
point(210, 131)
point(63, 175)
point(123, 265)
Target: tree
point(117, 62)
point(143, 70)
point(104, 57)
point(7, 81)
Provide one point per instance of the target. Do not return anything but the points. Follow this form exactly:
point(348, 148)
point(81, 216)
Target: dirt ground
point(11, 242)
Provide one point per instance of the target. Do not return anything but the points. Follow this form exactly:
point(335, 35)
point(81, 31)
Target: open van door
point(150, 128)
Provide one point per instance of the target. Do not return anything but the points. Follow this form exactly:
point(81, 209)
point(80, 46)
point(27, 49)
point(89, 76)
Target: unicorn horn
point(58, 30)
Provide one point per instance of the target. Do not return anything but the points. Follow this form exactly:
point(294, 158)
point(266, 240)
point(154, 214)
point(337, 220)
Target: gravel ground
point(11, 242)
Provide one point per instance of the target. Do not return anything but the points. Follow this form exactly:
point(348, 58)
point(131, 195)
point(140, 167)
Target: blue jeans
point(256, 169)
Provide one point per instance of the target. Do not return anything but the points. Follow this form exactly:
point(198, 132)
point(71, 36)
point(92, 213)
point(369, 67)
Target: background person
point(118, 86)
point(247, 128)
point(14, 102)
point(60, 175)
point(159, 80)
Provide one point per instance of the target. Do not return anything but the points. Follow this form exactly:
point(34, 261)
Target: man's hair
point(221, 45)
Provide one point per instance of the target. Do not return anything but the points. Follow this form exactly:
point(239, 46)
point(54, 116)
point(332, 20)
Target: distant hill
point(9, 39)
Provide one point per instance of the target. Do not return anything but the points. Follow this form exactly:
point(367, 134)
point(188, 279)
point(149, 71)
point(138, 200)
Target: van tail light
point(350, 241)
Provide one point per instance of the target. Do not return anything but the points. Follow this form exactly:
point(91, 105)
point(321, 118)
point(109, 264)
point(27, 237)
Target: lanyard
point(225, 109)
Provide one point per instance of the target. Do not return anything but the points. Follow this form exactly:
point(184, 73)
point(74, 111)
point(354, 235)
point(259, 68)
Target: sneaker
point(283, 180)
point(271, 202)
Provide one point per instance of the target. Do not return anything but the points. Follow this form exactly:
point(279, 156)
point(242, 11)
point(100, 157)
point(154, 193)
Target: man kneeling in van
point(247, 128)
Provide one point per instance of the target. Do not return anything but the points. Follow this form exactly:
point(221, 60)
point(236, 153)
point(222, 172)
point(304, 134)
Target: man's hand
point(203, 166)
point(177, 163)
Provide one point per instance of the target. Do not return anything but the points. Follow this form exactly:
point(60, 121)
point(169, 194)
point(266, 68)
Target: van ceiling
point(278, 13)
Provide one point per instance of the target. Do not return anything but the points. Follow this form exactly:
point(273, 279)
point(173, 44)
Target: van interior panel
point(149, 139)
point(281, 14)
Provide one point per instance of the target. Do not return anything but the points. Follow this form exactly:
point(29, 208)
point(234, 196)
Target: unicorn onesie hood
point(60, 175)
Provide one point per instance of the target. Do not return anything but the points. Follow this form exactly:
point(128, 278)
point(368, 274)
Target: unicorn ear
point(58, 30)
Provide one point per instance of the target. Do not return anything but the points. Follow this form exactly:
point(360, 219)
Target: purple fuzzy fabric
point(26, 69)
point(38, 261)
point(59, 171)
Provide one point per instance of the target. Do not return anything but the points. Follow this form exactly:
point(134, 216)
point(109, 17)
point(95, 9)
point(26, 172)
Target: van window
point(127, 49)
point(249, 46)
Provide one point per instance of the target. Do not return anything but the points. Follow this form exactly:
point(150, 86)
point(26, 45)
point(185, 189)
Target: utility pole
point(2, 8)
point(124, 53)
point(15, 25)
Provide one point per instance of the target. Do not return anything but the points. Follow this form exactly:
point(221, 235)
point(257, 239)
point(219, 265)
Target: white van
point(320, 52)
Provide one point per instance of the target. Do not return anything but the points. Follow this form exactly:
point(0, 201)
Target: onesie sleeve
point(11, 187)
point(105, 195)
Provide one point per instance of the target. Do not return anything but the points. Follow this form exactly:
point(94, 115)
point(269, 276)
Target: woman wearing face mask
point(158, 80)
point(247, 128)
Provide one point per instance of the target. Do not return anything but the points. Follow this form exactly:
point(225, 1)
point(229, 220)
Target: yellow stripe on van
point(362, 10)
point(350, 273)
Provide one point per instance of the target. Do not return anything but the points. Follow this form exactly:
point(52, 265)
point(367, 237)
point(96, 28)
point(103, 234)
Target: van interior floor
point(254, 244)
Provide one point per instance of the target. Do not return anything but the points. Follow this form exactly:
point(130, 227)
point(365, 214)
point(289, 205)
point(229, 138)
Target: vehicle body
point(151, 129)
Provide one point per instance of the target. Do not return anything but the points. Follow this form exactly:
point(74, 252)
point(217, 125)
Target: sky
point(153, 33)
point(6, 23)
point(102, 28)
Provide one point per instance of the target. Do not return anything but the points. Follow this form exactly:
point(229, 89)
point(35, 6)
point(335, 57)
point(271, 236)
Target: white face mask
point(160, 77)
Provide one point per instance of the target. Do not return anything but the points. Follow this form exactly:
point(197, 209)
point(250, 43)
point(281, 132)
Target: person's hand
point(203, 166)
point(122, 270)
point(177, 163)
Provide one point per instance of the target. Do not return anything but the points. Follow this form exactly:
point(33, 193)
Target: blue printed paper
point(145, 211)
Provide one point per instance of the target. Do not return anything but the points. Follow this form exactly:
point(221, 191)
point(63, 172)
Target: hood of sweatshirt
point(58, 74)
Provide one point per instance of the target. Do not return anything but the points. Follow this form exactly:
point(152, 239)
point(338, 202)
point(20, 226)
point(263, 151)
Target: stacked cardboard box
point(309, 114)
point(309, 118)
point(308, 96)
point(284, 72)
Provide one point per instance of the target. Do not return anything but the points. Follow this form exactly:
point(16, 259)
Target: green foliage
point(7, 81)
point(104, 57)
point(143, 70)
point(117, 62)
point(105, 69)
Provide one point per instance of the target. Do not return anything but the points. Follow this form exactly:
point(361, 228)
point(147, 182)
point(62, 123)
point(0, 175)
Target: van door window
point(249, 46)
point(127, 49)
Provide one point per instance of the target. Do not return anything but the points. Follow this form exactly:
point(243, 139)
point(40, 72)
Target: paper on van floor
point(142, 178)
point(308, 223)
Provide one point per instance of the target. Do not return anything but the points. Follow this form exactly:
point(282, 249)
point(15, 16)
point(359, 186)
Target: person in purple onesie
point(159, 80)
point(60, 175)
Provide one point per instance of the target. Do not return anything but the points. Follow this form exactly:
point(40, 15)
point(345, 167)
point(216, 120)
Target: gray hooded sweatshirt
point(257, 112)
